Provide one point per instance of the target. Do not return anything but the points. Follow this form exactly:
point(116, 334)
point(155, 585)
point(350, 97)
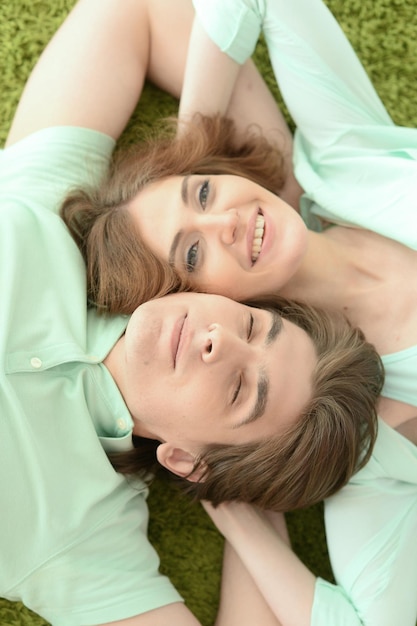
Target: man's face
point(202, 369)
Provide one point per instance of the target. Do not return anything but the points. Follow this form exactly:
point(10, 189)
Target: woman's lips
point(258, 237)
point(255, 236)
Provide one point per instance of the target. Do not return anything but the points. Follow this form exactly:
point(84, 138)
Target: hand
point(227, 513)
point(257, 539)
point(229, 516)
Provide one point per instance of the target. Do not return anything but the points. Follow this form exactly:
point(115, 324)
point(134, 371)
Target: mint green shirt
point(357, 168)
point(73, 544)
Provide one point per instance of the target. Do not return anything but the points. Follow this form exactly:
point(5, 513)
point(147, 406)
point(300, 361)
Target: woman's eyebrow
point(177, 238)
point(174, 246)
point(184, 188)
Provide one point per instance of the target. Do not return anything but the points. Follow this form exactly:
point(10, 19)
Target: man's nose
point(221, 344)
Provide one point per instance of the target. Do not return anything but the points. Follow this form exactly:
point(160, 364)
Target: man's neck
point(113, 362)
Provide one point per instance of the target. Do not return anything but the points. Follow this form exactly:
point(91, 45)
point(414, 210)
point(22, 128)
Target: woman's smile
point(258, 236)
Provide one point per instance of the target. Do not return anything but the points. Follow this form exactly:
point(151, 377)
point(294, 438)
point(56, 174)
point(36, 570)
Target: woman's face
point(201, 368)
point(227, 234)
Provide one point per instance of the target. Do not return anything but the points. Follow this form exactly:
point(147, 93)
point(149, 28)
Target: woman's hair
point(332, 439)
point(122, 272)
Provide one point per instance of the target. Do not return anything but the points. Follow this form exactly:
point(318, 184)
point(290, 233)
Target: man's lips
point(176, 338)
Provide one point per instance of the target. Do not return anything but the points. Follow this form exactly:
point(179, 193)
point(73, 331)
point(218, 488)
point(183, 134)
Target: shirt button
point(35, 362)
point(121, 423)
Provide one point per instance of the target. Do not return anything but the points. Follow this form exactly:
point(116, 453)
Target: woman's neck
point(365, 276)
point(327, 274)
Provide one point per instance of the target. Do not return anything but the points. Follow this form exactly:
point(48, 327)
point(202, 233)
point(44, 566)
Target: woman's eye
point(237, 390)
point(250, 326)
point(192, 257)
point(204, 193)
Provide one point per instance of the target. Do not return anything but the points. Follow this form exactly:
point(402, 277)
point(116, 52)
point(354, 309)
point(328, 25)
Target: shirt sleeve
point(44, 166)
point(234, 25)
point(371, 525)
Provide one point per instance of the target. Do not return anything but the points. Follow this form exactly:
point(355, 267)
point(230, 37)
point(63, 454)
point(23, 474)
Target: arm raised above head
point(216, 83)
point(210, 76)
point(277, 572)
point(377, 572)
point(91, 73)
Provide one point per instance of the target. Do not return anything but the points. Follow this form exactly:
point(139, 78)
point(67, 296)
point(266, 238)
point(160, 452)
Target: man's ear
point(179, 462)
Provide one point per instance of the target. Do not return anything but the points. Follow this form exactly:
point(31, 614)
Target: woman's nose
point(224, 225)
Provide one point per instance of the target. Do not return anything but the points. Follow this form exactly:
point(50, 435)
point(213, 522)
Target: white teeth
point(258, 236)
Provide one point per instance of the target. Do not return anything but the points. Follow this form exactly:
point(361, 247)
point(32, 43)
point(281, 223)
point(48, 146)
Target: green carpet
point(384, 34)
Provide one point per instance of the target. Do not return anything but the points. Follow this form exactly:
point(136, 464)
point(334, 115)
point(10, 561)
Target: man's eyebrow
point(260, 404)
point(177, 238)
point(263, 380)
point(275, 328)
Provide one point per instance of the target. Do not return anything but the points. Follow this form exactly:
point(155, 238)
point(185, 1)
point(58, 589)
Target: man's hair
point(332, 439)
point(122, 272)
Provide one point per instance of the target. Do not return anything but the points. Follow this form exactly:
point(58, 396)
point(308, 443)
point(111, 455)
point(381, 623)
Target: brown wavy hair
point(122, 272)
point(332, 439)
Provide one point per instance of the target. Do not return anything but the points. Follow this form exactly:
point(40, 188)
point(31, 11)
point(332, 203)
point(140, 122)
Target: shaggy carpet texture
point(384, 34)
